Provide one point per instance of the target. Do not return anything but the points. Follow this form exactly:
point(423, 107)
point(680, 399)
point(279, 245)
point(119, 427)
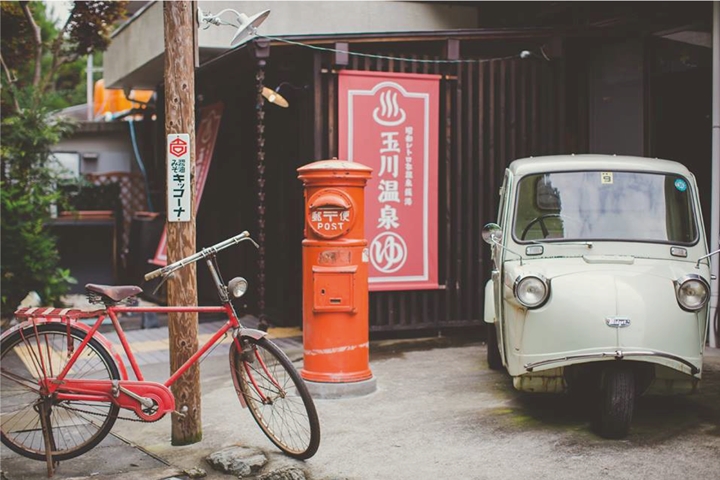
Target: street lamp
point(247, 26)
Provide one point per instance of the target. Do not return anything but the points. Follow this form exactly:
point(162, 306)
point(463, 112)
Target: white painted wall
point(320, 18)
point(135, 56)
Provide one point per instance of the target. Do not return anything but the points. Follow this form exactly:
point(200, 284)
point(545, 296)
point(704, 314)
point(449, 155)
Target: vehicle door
point(498, 259)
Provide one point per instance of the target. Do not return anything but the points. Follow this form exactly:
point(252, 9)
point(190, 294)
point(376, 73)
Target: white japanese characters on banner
point(389, 122)
point(178, 178)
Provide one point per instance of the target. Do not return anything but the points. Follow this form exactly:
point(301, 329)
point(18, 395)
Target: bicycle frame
point(87, 383)
point(138, 395)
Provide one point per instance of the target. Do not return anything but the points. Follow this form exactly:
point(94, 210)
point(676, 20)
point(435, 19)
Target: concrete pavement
point(438, 413)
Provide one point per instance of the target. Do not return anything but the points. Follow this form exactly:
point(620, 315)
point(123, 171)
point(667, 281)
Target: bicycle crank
point(146, 402)
point(149, 400)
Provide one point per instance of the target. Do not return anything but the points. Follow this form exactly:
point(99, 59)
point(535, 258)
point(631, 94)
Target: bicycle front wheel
point(39, 352)
point(276, 395)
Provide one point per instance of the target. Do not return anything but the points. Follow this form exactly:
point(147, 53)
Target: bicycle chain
point(129, 419)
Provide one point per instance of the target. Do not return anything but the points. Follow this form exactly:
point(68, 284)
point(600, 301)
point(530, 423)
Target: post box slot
point(331, 201)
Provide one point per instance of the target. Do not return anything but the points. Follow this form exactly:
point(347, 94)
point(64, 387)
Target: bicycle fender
point(244, 332)
point(81, 326)
point(252, 333)
point(234, 374)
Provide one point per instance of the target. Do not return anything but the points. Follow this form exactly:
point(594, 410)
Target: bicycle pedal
point(182, 413)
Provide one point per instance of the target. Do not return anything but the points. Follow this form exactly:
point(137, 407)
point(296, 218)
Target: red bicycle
point(62, 386)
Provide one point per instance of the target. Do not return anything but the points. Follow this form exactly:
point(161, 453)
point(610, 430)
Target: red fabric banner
point(389, 122)
point(207, 131)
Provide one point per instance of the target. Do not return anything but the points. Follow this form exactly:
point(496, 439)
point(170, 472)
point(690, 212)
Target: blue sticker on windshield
point(680, 184)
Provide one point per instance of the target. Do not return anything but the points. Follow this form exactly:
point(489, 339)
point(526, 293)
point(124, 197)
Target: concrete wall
point(135, 56)
point(321, 18)
point(136, 45)
point(113, 150)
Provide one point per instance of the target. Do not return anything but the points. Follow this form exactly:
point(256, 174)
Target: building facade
point(516, 80)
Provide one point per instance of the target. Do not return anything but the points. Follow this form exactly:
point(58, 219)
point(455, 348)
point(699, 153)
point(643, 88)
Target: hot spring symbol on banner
point(389, 122)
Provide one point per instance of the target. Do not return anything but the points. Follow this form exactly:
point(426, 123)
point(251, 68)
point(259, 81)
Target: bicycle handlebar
point(204, 253)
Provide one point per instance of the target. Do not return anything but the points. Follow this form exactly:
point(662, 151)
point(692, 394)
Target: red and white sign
point(178, 146)
point(389, 122)
point(205, 138)
point(178, 178)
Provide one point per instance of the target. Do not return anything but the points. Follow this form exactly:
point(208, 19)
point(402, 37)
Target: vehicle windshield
point(592, 205)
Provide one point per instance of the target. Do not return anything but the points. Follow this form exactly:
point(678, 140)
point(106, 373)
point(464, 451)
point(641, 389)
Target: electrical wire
point(385, 57)
point(140, 163)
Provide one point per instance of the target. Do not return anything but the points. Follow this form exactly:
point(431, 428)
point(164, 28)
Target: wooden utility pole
point(180, 38)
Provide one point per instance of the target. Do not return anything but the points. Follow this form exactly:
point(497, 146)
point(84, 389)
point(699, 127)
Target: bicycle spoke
point(23, 382)
point(42, 351)
point(265, 369)
point(277, 397)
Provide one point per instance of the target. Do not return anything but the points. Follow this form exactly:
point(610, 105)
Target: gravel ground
point(438, 413)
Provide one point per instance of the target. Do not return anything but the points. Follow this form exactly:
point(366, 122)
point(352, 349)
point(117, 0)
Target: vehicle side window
point(502, 201)
point(502, 205)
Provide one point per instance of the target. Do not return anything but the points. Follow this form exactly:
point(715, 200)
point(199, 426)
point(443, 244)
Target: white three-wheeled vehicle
point(600, 281)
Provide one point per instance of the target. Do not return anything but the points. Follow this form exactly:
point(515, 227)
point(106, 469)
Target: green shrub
point(35, 53)
point(29, 189)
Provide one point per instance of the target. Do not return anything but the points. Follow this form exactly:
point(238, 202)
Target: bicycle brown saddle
point(115, 294)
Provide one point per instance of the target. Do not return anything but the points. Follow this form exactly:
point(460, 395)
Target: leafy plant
point(32, 54)
point(29, 258)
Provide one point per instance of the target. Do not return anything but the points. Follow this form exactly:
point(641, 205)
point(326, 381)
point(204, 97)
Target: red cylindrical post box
point(335, 273)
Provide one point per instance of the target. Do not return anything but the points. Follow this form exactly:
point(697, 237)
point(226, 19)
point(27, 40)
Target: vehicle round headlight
point(237, 287)
point(531, 290)
point(692, 292)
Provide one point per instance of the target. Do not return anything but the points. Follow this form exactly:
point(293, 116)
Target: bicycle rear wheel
point(42, 351)
point(276, 395)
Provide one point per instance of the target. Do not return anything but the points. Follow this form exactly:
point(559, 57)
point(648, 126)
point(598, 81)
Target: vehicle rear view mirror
point(492, 233)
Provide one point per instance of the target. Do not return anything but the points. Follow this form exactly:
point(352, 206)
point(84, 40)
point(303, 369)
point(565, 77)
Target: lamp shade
point(274, 97)
point(247, 25)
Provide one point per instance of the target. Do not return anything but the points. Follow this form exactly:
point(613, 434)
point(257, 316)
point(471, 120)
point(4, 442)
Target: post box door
point(334, 289)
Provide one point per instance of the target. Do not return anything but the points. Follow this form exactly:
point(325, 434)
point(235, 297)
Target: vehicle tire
point(617, 402)
point(43, 350)
point(276, 395)
point(493, 351)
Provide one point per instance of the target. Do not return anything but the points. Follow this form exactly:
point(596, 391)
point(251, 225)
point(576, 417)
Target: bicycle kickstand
point(49, 439)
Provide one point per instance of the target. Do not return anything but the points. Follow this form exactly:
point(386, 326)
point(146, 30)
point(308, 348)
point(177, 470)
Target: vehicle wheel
point(42, 351)
point(617, 402)
point(276, 395)
point(493, 351)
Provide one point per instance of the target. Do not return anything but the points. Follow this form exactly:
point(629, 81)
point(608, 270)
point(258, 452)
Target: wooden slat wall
point(491, 112)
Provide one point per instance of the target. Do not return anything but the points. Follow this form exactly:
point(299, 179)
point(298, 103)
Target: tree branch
point(37, 41)
point(57, 62)
point(10, 79)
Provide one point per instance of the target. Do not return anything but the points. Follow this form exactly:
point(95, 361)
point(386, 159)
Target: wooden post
point(179, 19)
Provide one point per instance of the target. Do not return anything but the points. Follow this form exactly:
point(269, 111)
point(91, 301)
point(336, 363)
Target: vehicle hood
point(619, 265)
point(586, 292)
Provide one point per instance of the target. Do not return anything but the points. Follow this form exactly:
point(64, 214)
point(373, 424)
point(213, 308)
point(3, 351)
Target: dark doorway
point(680, 115)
